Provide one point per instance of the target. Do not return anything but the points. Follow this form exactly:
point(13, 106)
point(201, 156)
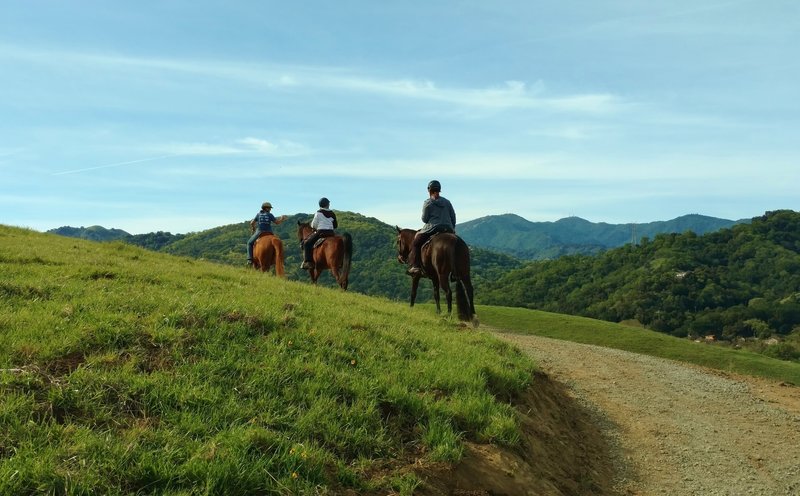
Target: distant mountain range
point(499, 244)
point(507, 233)
point(513, 235)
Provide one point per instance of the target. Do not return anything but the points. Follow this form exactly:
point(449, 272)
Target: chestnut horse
point(268, 251)
point(443, 259)
point(334, 253)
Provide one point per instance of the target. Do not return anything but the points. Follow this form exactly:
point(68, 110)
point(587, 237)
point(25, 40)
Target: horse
point(268, 251)
point(443, 259)
point(334, 253)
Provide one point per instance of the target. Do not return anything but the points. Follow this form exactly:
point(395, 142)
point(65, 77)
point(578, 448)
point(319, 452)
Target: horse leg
point(468, 287)
point(436, 294)
point(414, 284)
point(335, 271)
point(448, 293)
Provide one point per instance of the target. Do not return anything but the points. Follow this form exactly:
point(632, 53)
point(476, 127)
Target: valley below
point(678, 429)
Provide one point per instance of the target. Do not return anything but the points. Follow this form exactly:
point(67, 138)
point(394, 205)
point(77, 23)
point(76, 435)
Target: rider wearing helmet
point(261, 223)
point(438, 216)
point(323, 224)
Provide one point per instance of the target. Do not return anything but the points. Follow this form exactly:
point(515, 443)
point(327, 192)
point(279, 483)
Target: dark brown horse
point(334, 253)
point(443, 259)
point(268, 251)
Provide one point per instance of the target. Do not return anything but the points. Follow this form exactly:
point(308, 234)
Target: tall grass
point(601, 333)
point(126, 371)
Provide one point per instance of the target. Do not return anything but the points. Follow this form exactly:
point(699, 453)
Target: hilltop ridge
point(514, 235)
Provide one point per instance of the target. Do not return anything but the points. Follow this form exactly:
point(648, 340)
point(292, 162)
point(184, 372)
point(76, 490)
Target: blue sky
point(180, 115)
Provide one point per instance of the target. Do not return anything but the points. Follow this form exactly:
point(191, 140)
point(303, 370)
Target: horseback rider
point(323, 225)
point(261, 224)
point(438, 216)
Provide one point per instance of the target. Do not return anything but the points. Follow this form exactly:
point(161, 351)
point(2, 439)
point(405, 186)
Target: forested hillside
point(92, 233)
point(519, 237)
point(738, 282)
point(375, 270)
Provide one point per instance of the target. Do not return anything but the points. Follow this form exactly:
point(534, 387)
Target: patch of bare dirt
point(677, 429)
point(604, 421)
point(563, 452)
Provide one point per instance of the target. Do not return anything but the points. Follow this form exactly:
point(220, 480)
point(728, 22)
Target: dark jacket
point(438, 213)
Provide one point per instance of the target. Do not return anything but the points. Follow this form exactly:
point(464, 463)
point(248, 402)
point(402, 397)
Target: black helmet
point(434, 186)
point(324, 202)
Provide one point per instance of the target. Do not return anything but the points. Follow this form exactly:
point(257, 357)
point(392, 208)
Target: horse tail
point(346, 259)
point(279, 256)
point(461, 276)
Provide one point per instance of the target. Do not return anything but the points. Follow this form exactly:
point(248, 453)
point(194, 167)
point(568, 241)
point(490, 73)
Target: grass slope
point(128, 371)
point(601, 333)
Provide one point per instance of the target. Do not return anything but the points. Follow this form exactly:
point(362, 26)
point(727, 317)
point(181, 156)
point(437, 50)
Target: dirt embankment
point(677, 429)
point(604, 421)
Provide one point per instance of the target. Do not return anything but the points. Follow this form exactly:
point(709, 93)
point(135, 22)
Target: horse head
point(404, 239)
point(303, 230)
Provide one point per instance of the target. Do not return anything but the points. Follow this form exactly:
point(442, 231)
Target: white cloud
point(508, 95)
point(283, 148)
point(684, 172)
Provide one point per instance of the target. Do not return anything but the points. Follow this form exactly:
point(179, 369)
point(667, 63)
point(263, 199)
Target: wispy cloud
point(505, 95)
point(282, 148)
point(510, 167)
point(115, 164)
point(249, 147)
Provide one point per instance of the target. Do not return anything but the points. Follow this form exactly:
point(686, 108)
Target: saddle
point(321, 240)
point(428, 241)
point(265, 234)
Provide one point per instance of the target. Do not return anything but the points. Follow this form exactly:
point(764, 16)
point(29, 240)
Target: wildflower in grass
point(295, 475)
point(353, 362)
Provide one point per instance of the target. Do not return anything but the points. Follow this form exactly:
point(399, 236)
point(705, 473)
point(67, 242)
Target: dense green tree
point(737, 282)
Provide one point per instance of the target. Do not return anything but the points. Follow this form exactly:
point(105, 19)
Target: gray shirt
point(437, 212)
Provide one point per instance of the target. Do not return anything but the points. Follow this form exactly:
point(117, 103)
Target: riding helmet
point(434, 186)
point(324, 202)
point(266, 205)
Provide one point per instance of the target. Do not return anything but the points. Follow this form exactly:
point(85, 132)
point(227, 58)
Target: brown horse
point(334, 253)
point(268, 251)
point(443, 259)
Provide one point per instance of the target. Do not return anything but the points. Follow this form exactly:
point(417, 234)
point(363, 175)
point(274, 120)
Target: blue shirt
point(264, 221)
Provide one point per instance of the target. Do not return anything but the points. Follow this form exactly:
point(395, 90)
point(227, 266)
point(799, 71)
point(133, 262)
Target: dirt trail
point(676, 429)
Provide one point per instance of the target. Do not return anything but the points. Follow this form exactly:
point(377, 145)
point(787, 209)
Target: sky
point(184, 115)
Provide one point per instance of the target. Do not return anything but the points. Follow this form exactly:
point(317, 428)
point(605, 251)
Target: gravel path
point(679, 429)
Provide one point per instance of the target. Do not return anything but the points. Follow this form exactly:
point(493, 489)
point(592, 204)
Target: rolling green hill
point(519, 237)
point(126, 371)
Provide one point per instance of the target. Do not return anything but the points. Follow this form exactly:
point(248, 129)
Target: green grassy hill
point(638, 340)
point(128, 371)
